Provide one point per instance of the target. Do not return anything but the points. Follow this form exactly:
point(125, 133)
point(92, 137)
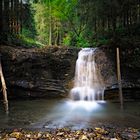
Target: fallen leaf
point(83, 137)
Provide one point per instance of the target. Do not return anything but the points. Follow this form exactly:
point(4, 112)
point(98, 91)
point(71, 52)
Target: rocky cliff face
point(49, 72)
point(130, 68)
point(38, 72)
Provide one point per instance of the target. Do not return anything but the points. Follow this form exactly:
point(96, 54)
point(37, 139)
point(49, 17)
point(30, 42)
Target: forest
point(79, 23)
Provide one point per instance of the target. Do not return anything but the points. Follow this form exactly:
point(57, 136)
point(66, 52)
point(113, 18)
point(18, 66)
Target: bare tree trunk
point(124, 19)
point(95, 25)
point(108, 22)
point(11, 16)
point(6, 19)
point(1, 19)
point(138, 14)
point(21, 14)
point(4, 89)
point(57, 35)
point(16, 16)
point(50, 24)
point(119, 78)
point(60, 37)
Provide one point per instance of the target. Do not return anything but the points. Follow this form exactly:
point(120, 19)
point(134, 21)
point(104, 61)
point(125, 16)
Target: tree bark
point(1, 19)
point(4, 88)
point(50, 24)
point(119, 78)
point(6, 19)
point(21, 14)
point(11, 15)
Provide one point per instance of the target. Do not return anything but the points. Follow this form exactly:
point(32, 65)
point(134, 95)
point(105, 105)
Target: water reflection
point(67, 113)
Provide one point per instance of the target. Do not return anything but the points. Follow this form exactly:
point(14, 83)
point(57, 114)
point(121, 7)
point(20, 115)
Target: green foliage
point(79, 23)
point(67, 40)
point(24, 41)
point(27, 33)
point(98, 42)
point(28, 42)
point(82, 42)
point(41, 21)
point(86, 22)
point(53, 18)
point(28, 27)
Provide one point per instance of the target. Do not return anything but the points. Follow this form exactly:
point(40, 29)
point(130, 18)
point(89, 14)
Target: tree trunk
point(95, 25)
point(103, 25)
point(119, 79)
point(16, 16)
point(108, 22)
point(1, 19)
point(3, 88)
point(11, 16)
point(130, 16)
point(6, 19)
point(21, 14)
point(127, 18)
point(57, 35)
point(60, 37)
point(124, 20)
point(50, 24)
point(138, 7)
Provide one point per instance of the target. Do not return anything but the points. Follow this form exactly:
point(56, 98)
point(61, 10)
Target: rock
point(49, 72)
point(130, 67)
point(38, 73)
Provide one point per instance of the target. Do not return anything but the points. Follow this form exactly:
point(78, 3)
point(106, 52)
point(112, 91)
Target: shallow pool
point(46, 114)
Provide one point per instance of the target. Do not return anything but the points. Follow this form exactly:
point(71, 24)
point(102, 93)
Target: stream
point(57, 113)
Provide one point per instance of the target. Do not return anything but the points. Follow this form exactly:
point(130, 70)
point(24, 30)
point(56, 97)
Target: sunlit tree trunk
point(50, 23)
point(3, 88)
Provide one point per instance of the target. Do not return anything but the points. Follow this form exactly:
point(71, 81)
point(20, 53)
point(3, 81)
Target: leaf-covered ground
point(68, 134)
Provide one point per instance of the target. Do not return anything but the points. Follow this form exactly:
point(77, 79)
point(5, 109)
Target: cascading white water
point(88, 83)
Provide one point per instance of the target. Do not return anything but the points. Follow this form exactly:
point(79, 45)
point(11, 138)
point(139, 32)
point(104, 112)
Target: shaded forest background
point(79, 23)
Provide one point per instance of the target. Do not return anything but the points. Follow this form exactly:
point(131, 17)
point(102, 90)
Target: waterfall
point(88, 83)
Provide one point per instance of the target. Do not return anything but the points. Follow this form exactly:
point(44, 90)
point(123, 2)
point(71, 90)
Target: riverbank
point(96, 133)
